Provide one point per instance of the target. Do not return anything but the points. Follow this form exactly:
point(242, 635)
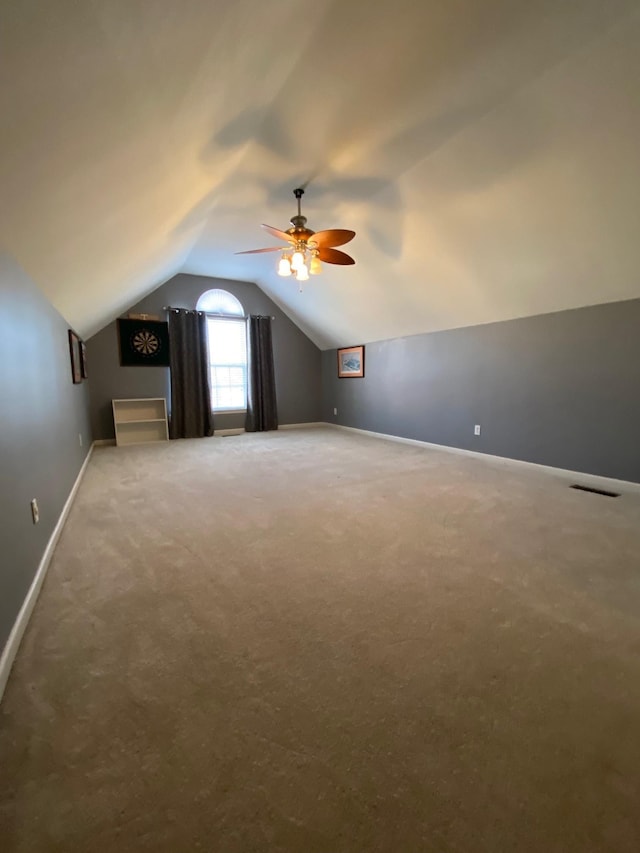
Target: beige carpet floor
point(317, 641)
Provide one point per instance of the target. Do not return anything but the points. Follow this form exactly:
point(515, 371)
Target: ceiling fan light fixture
point(315, 267)
point(297, 260)
point(302, 273)
point(284, 267)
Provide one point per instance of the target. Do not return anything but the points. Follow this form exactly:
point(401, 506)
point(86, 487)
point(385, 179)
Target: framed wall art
point(76, 357)
point(83, 359)
point(143, 343)
point(351, 362)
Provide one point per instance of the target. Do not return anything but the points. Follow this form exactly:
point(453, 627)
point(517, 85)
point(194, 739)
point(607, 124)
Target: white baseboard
point(17, 632)
point(581, 477)
point(238, 431)
point(104, 442)
point(308, 425)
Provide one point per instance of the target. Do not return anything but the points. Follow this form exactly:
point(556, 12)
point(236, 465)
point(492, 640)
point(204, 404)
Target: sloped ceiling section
point(484, 150)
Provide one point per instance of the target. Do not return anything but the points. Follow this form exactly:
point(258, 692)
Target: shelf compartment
point(139, 410)
point(137, 433)
point(142, 421)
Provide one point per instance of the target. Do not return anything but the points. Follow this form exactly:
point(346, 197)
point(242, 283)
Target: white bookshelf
point(140, 420)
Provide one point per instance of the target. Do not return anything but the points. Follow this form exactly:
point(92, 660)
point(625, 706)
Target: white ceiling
point(485, 151)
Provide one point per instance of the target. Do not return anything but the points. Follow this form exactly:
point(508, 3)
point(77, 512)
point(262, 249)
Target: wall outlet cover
point(476, 429)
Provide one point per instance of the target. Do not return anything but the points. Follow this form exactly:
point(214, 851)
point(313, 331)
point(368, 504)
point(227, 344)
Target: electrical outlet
point(35, 512)
point(335, 411)
point(476, 429)
point(80, 438)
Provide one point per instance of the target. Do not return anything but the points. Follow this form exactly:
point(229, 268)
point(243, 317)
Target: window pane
point(227, 341)
point(227, 345)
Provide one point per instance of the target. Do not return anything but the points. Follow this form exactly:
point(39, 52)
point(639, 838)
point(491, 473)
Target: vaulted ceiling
point(485, 151)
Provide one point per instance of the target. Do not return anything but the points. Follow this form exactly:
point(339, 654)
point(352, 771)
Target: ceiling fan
point(306, 249)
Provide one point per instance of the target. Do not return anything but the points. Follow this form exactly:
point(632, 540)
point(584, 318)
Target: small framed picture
point(76, 357)
point(83, 359)
point(351, 362)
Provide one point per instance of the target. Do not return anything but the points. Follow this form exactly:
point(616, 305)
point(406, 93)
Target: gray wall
point(41, 416)
point(297, 359)
point(558, 389)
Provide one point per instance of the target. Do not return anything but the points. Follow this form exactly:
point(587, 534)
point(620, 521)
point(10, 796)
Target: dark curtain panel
point(262, 411)
point(190, 395)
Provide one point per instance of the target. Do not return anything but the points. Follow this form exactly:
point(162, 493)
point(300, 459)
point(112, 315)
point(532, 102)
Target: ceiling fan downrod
point(298, 221)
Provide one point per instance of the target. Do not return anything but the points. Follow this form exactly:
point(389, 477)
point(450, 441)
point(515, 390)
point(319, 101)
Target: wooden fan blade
point(334, 256)
point(332, 237)
point(276, 232)
point(257, 251)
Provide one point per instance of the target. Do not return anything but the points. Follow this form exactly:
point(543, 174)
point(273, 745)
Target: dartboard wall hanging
point(143, 343)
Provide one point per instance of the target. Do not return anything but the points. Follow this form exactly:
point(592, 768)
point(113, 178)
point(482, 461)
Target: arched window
point(220, 302)
point(227, 348)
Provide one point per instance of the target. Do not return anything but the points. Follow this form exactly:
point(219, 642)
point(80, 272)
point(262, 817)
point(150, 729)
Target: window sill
point(228, 411)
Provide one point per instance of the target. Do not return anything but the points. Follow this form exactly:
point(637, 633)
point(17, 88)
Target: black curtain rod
point(212, 313)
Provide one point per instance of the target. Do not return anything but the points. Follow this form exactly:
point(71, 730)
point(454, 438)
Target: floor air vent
point(596, 491)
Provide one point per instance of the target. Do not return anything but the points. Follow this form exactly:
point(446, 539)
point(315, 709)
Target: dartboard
point(145, 342)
